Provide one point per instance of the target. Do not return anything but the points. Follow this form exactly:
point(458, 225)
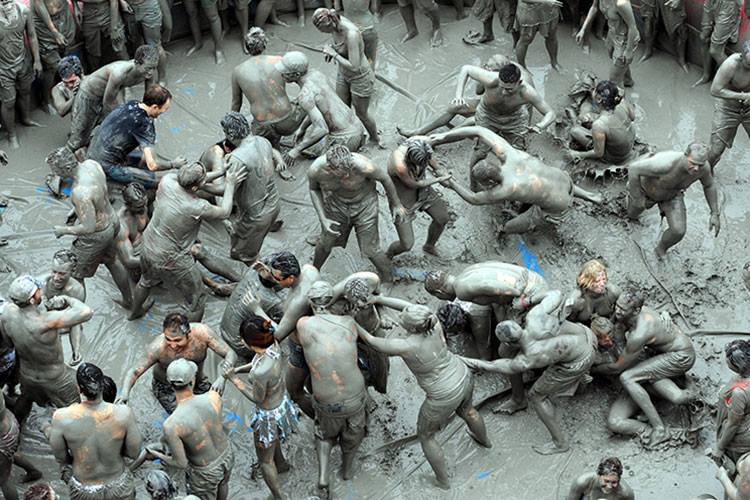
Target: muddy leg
point(140, 296)
point(475, 422)
point(268, 467)
point(708, 62)
point(550, 43)
point(350, 442)
point(667, 389)
point(437, 35)
point(242, 13)
point(545, 410)
point(382, 263)
point(718, 52)
point(676, 216)
point(8, 488)
point(405, 240)
point(440, 218)
point(523, 46)
point(8, 112)
point(619, 419)
point(442, 120)
point(323, 447)
point(407, 14)
point(649, 28)
point(262, 12)
point(582, 136)
point(631, 380)
point(32, 473)
point(460, 12)
point(295, 386)
point(579, 192)
point(680, 46)
point(716, 150)
point(212, 14)
point(322, 251)
point(426, 432)
point(361, 108)
point(191, 8)
point(166, 21)
point(222, 492)
point(487, 32)
point(217, 264)
point(480, 322)
point(121, 278)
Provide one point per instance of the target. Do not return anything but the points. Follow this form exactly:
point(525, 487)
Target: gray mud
point(702, 273)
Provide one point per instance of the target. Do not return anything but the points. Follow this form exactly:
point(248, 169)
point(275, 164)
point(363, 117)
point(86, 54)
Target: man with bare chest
point(364, 14)
point(180, 340)
point(134, 218)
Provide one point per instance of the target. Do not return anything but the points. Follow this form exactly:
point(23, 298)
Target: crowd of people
point(293, 342)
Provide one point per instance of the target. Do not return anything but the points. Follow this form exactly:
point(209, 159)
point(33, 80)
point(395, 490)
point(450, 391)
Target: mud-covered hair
point(62, 161)
point(339, 156)
point(146, 53)
point(325, 17)
point(255, 41)
point(65, 256)
point(602, 326)
point(133, 193)
point(295, 62)
point(609, 93)
point(160, 486)
point(589, 273)
point(235, 126)
point(417, 318)
point(284, 262)
point(191, 175)
point(435, 280)
point(737, 354)
point(356, 289)
point(418, 152)
point(634, 297)
point(698, 150)
point(109, 389)
point(452, 317)
point(69, 66)
point(610, 466)
point(90, 380)
point(176, 321)
point(509, 73)
point(256, 331)
point(39, 491)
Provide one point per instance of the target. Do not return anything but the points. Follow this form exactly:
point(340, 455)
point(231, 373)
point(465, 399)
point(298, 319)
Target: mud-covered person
point(364, 14)
point(145, 18)
point(179, 339)
point(662, 179)
point(355, 79)
point(102, 31)
point(210, 9)
point(720, 25)
point(8, 359)
point(447, 383)
point(604, 484)
point(92, 439)
point(328, 121)
point(674, 18)
point(740, 488)
point(259, 80)
point(594, 296)
point(97, 228)
point(275, 417)
point(430, 9)
point(194, 436)
point(17, 71)
point(63, 94)
point(10, 439)
point(55, 30)
point(534, 17)
point(407, 167)
point(134, 218)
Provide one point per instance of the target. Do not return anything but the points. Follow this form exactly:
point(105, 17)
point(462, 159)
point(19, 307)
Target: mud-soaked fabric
point(536, 217)
point(734, 402)
point(204, 481)
point(673, 18)
point(16, 79)
point(444, 378)
point(272, 425)
point(506, 11)
point(637, 198)
point(345, 421)
point(12, 47)
point(7, 366)
point(360, 82)
point(297, 356)
point(534, 18)
point(362, 216)
point(423, 5)
point(435, 413)
point(617, 35)
point(95, 249)
point(427, 197)
point(164, 393)
point(11, 439)
point(563, 378)
point(273, 130)
point(127, 127)
point(353, 138)
point(721, 21)
point(49, 51)
point(57, 393)
point(96, 27)
point(374, 366)
point(148, 13)
point(121, 488)
point(85, 115)
point(510, 126)
point(729, 114)
point(666, 365)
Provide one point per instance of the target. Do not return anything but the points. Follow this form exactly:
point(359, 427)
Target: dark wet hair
point(39, 491)
point(697, 150)
point(284, 262)
point(339, 157)
point(634, 297)
point(62, 161)
point(435, 280)
point(109, 389)
point(191, 175)
point(509, 73)
point(90, 380)
point(485, 171)
point(255, 41)
point(65, 256)
point(159, 485)
point(609, 466)
point(235, 126)
point(452, 317)
point(134, 193)
point(418, 152)
point(176, 321)
point(69, 66)
point(146, 53)
point(256, 331)
point(609, 93)
point(156, 95)
point(737, 353)
point(323, 16)
point(356, 289)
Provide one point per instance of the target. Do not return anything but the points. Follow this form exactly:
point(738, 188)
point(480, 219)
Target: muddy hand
point(458, 101)
point(125, 7)
point(75, 360)
point(59, 39)
point(179, 161)
point(579, 37)
point(60, 231)
point(399, 215)
point(714, 224)
point(236, 174)
point(328, 226)
point(3, 157)
point(290, 157)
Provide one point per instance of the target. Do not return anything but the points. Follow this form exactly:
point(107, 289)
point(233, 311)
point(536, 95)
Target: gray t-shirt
point(257, 195)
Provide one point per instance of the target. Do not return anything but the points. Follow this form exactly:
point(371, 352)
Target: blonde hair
point(589, 273)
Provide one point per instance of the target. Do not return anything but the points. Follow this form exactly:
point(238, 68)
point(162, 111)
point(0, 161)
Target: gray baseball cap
point(22, 289)
point(181, 372)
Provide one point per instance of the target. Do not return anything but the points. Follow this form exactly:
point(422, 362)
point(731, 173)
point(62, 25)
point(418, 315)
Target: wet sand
point(703, 273)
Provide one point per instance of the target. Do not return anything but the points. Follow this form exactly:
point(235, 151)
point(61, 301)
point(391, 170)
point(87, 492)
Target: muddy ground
point(702, 272)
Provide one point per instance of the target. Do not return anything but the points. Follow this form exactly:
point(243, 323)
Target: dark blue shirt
point(126, 128)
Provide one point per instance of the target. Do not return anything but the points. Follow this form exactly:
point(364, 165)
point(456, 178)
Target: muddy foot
point(430, 249)
point(14, 144)
point(704, 80)
point(484, 444)
point(684, 67)
point(224, 290)
point(30, 123)
point(324, 493)
point(646, 56)
point(660, 254)
point(556, 66)
point(31, 475)
point(409, 36)
point(404, 132)
point(510, 406)
point(437, 39)
point(443, 484)
point(476, 38)
point(125, 304)
point(586, 49)
point(550, 448)
point(219, 57)
point(5, 267)
point(192, 50)
point(657, 436)
point(142, 311)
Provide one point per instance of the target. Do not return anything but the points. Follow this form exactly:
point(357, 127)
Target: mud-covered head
point(737, 354)
point(278, 269)
point(326, 20)
point(257, 332)
point(339, 158)
point(293, 66)
point(609, 473)
point(629, 304)
point(592, 277)
point(745, 54)
point(40, 491)
point(453, 318)
point(255, 41)
point(135, 197)
point(440, 285)
point(508, 331)
point(146, 59)
point(697, 156)
point(8, 9)
point(109, 390)
point(192, 176)
point(62, 162)
point(181, 373)
point(320, 296)
point(488, 172)
point(603, 329)
point(157, 100)
point(607, 95)
point(418, 319)
point(176, 330)
point(509, 76)
point(160, 486)
point(418, 156)
point(64, 264)
point(90, 380)
point(235, 127)
point(25, 291)
point(70, 70)
point(357, 293)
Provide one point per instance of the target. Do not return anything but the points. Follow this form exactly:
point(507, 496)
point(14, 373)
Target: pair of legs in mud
point(361, 105)
point(211, 9)
point(444, 119)
point(677, 35)
point(15, 90)
point(672, 210)
point(272, 463)
point(437, 209)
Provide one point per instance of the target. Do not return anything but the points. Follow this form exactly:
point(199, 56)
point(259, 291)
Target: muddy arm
point(133, 444)
point(599, 137)
point(579, 486)
point(178, 457)
point(255, 392)
point(391, 347)
point(711, 194)
point(548, 114)
point(132, 376)
point(57, 441)
point(724, 76)
point(33, 41)
point(76, 313)
point(236, 94)
point(486, 78)
point(391, 302)
point(86, 211)
point(589, 19)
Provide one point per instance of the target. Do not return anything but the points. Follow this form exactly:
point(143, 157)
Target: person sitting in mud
point(672, 355)
point(606, 482)
point(134, 219)
point(534, 17)
point(275, 417)
point(64, 93)
point(92, 439)
point(612, 134)
point(179, 339)
point(447, 383)
point(343, 189)
point(97, 228)
point(595, 295)
point(329, 345)
point(364, 14)
point(194, 436)
point(731, 90)
point(514, 175)
point(259, 79)
point(720, 25)
point(407, 167)
point(662, 179)
point(10, 439)
point(673, 16)
point(504, 106)
point(566, 352)
point(329, 121)
point(733, 408)
point(430, 9)
point(355, 80)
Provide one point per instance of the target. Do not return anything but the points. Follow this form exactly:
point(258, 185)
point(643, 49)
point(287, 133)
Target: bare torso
point(678, 179)
point(195, 351)
point(531, 181)
point(340, 45)
point(198, 423)
point(619, 131)
point(91, 184)
point(41, 354)
point(269, 370)
point(262, 85)
point(350, 188)
point(338, 116)
point(133, 225)
point(497, 283)
point(358, 11)
point(500, 103)
point(95, 84)
point(664, 335)
point(740, 81)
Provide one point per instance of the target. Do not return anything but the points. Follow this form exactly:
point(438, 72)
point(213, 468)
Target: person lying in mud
point(605, 483)
point(194, 437)
point(672, 356)
point(275, 418)
point(329, 344)
point(179, 339)
point(514, 175)
point(92, 439)
point(612, 134)
point(566, 352)
point(446, 381)
point(662, 180)
point(595, 295)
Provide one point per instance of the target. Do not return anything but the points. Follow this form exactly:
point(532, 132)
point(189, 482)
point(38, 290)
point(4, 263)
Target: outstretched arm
point(152, 357)
point(488, 197)
point(487, 78)
point(650, 166)
point(497, 144)
point(391, 302)
point(712, 199)
point(391, 347)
